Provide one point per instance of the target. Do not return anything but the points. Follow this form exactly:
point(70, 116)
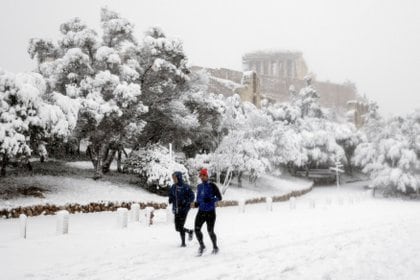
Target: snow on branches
point(29, 115)
point(155, 167)
point(389, 156)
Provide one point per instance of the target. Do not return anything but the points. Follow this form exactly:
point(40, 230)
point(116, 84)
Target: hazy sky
point(375, 44)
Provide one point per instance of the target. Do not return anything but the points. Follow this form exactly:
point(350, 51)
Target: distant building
point(276, 64)
point(356, 110)
point(227, 82)
point(271, 74)
point(279, 70)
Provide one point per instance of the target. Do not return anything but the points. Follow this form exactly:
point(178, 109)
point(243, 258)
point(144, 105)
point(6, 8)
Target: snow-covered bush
point(155, 167)
point(390, 163)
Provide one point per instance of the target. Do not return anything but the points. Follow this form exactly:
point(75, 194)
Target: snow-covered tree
point(318, 142)
point(308, 100)
point(209, 109)
point(388, 156)
point(164, 80)
point(247, 147)
point(411, 128)
point(302, 136)
point(130, 92)
point(348, 137)
point(101, 75)
point(29, 115)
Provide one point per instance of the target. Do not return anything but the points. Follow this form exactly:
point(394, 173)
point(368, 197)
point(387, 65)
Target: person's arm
point(216, 192)
point(191, 195)
point(171, 196)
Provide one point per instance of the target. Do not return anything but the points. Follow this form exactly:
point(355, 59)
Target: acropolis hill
point(272, 74)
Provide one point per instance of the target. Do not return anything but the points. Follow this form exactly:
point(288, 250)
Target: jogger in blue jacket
point(207, 196)
point(181, 196)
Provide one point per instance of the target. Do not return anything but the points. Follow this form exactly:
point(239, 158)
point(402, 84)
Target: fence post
point(269, 202)
point(149, 215)
point(122, 217)
point(340, 200)
point(241, 204)
point(62, 226)
point(23, 223)
point(135, 211)
point(311, 203)
point(292, 202)
point(328, 200)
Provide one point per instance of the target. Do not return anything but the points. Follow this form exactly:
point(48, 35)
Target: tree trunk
point(3, 166)
point(119, 169)
point(108, 159)
point(240, 173)
point(121, 150)
point(227, 180)
point(349, 166)
point(96, 153)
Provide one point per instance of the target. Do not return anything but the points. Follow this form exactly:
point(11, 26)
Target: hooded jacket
point(181, 196)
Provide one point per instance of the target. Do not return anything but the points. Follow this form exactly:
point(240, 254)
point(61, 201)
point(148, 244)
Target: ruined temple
point(271, 74)
point(276, 64)
point(279, 70)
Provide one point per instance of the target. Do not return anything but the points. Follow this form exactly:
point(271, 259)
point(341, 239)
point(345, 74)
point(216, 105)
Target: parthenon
point(280, 64)
point(273, 74)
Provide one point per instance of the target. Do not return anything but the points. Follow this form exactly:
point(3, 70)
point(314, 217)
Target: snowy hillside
point(355, 240)
point(61, 190)
point(266, 185)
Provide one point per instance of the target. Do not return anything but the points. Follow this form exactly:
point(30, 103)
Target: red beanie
point(204, 172)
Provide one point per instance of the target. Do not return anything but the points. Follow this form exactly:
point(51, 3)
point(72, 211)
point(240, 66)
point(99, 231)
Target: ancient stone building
point(356, 110)
point(279, 70)
point(250, 88)
point(227, 82)
point(281, 65)
point(270, 75)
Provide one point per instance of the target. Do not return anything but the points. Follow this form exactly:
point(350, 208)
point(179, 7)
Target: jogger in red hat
point(207, 196)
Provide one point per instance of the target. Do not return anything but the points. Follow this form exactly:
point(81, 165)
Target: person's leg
point(189, 231)
point(182, 220)
point(179, 226)
point(199, 220)
point(210, 221)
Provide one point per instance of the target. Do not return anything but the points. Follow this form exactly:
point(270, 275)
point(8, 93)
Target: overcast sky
point(375, 44)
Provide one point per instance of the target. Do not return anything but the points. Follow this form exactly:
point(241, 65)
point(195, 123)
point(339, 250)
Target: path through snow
point(369, 239)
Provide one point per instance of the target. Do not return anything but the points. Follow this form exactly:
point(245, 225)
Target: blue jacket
point(181, 196)
point(207, 196)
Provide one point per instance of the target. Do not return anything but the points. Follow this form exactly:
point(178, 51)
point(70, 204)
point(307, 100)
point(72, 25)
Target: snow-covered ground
point(366, 239)
point(88, 165)
point(265, 186)
point(62, 190)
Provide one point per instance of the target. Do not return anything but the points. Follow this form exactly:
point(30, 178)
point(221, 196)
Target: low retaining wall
point(51, 209)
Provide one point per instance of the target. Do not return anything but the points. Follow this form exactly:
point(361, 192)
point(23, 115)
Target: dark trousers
point(179, 225)
point(210, 219)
